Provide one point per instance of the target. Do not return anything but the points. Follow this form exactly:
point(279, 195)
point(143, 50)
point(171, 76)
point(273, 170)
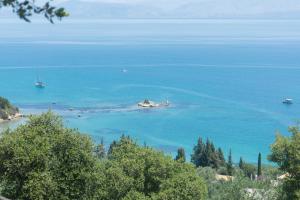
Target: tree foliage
point(259, 170)
point(285, 151)
point(205, 154)
point(149, 172)
point(184, 186)
point(229, 165)
point(238, 188)
point(100, 150)
point(44, 160)
point(27, 8)
point(241, 163)
point(180, 157)
point(249, 170)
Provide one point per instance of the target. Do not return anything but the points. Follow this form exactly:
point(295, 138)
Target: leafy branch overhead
point(28, 8)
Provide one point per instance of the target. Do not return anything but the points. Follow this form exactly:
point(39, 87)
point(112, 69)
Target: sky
point(244, 12)
point(182, 9)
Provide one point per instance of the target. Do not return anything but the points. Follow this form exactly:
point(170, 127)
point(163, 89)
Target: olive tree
point(285, 151)
point(27, 8)
point(44, 160)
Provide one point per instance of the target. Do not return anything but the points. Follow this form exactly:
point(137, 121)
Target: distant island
point(7, 110)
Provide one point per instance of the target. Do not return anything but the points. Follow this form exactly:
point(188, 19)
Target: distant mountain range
point(278, 9)
point(182, 9)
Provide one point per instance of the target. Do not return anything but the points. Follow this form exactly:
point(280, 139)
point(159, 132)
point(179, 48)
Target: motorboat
point(39, 84)
point(151, 104)
point(147, 104)
point(287, 101)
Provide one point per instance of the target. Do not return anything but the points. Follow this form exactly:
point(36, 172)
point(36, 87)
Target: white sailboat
point(39, 83)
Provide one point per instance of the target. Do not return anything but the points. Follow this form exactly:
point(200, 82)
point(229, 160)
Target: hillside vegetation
point(42, 159)
point(7, 110)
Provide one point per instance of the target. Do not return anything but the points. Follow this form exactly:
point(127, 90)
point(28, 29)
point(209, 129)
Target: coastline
point(14, 117)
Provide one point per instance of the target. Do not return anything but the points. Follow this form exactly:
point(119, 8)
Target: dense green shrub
point(206, 155)
point(237, 188)
point(152, 173)
point(44, 160)
point(286, 153)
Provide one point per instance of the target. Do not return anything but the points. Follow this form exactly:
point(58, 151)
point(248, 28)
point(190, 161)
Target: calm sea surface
point(225, 80)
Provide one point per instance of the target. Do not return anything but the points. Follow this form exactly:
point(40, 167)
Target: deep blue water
point(229, 92)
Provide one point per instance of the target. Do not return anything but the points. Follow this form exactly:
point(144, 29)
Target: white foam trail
point(180, 90)
point(275, 116)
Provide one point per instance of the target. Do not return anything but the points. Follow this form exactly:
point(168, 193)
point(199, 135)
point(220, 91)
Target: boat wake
point(273, 115)
point(76, 111)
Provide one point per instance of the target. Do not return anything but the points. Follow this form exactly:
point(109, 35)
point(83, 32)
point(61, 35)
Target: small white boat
point(147, 104)
point(39, 84)
point(287, 101)
point(150, 104)
point(124, 70)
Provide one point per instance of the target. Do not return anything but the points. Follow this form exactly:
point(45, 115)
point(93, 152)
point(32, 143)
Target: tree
point(100, 150)
point(183, 186)
point(236, 188)
point(44, 160)
point(230, 168)
point(198, 153)
point(259, 173)
point(241, 188)
point(285, 152)
point(221, 157)
point(111, 147)
point(211, 155)
point(135, 195)
point(142, 171)
point(241, 163)
point(27, 8)
point(249, 170)
point(180, 155)
point(205, 154)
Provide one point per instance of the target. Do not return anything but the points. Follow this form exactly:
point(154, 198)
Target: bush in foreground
point(44, 160)
point(285, 151)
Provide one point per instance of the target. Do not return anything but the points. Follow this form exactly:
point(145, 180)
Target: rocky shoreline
point(12, 117)
point(8, 111)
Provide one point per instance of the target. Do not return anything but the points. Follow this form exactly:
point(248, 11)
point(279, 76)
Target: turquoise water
point(230, 92)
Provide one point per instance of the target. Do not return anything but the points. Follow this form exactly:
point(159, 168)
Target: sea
point(225, 79)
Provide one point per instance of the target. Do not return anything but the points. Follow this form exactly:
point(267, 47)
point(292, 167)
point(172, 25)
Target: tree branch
point(27, 8)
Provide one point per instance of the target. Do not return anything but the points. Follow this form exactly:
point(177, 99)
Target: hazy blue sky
point(93, 26)
point(271, 9)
